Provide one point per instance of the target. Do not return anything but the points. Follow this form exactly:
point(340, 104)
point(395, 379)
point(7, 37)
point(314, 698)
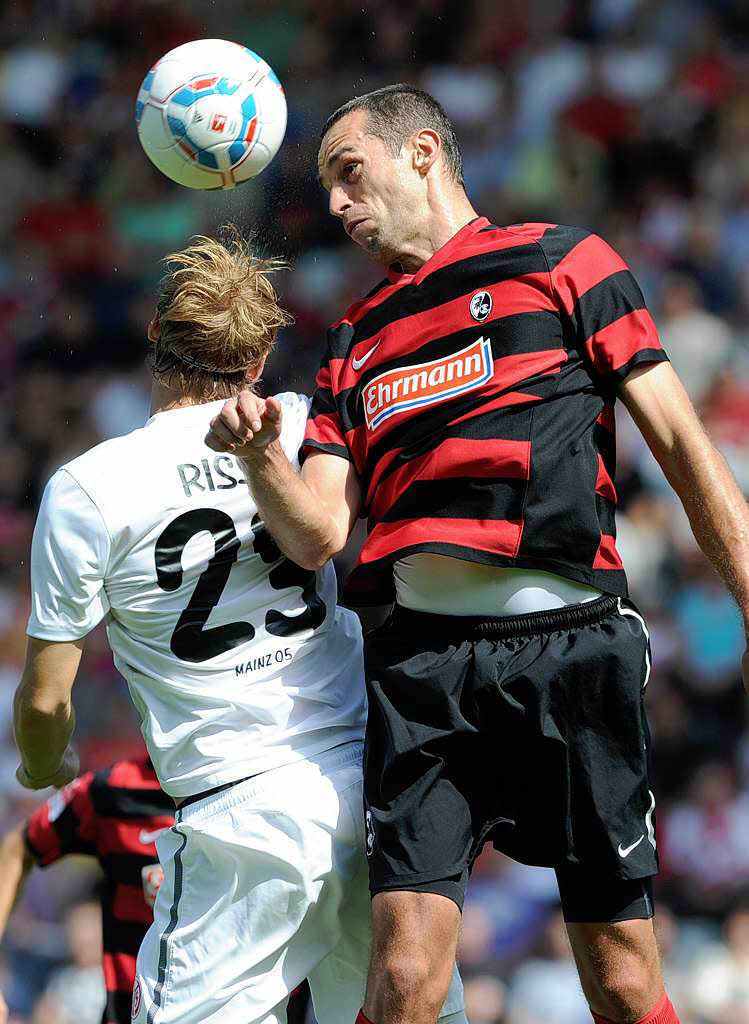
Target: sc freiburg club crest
point(481, 306)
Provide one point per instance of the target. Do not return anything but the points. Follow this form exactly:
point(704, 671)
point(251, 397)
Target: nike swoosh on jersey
point(149, 837)
point(624, 851)
point(358, 363)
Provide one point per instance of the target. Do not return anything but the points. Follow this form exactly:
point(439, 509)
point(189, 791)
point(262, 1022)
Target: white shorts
point(264, 885)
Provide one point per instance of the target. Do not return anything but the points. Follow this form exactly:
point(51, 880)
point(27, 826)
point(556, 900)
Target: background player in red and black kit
point(466, 408)
point(113, 815)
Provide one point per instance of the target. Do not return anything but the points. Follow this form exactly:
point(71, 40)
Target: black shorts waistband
point(504, 627)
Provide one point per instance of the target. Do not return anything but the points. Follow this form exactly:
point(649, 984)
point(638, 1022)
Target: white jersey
point(238, 660)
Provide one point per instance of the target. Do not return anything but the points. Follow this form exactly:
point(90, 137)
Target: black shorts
point(528, 731)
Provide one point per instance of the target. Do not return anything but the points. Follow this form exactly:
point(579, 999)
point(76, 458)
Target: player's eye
point(350, 170)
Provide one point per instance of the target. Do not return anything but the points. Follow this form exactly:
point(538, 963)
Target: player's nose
point(338, 201)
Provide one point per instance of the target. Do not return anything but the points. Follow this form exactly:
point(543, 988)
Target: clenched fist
point(246, 425)
point(69, 767)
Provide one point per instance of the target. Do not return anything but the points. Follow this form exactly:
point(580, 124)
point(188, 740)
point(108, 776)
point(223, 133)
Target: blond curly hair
point(218, 316)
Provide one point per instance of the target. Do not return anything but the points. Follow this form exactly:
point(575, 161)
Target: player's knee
point(628, 984)
point(414, 977)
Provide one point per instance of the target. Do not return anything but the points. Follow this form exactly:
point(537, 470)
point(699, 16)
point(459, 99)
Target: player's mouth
point(351, 227)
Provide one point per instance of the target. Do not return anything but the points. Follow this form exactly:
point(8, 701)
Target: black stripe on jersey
point(120, 802)
point(125, 867)
point(645, 355)
point(66, 826)
point(606, 512)
point(121, 936)
point(119, 1008)
point(606, 302)
point(339, 342)
point(460, 498)
point(332, 449)
point(323, 402)
point(478, 271)
point(420, 434)
point(605, 443)
point(557, 242)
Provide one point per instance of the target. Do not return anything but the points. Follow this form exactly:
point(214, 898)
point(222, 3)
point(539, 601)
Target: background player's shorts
point(264, 885)
point(526, 730)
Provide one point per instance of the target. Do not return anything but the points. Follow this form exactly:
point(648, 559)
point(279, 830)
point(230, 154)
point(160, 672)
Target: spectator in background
point(719, 984)
point(75, 993)
point(545, 989)
point(699, 344)
point(705, 842)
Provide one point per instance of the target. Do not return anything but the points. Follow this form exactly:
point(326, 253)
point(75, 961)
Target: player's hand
point(246, 424)
point(69, 768)
point(3, 1010)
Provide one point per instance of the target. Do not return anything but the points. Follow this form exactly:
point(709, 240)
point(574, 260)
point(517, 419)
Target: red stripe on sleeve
point(455, 457)
point(325, 429)
point(45, 838)
point(604, 483)
point(497, 536)
point(586, 265)
point(322, 380)
point(607, 557)
point(614, 346)
point(42, 837)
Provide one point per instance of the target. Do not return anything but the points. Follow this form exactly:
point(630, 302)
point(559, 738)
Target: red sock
point(361, 1019)
point(662, 1013)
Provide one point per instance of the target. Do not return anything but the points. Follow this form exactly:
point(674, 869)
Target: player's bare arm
point(15, 864)
point(310, 515)
point(717, 510)
point(43, 715)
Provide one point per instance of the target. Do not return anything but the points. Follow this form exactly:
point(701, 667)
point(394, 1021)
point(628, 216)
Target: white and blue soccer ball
point(211, 114)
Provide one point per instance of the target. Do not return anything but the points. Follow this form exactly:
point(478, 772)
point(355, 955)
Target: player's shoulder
point(101, 462)
point(575, 244)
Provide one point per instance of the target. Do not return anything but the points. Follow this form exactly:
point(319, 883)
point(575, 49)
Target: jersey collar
point(440, 257)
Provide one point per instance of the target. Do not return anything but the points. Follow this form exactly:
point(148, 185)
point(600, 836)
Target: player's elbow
point(314, 557)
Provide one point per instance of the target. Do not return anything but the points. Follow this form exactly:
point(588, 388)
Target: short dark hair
point(396, 112)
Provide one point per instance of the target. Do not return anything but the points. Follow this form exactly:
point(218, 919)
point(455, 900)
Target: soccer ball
point(210, 114)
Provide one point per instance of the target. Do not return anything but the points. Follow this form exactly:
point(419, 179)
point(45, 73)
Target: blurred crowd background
point(628, 117)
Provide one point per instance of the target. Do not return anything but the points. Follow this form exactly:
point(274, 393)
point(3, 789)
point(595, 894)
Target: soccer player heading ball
point(466, 406)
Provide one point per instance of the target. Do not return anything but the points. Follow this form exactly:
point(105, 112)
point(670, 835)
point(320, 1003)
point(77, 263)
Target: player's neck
point(447, 215)
point(163, 399)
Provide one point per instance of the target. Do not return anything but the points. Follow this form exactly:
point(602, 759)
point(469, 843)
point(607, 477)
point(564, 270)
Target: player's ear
point(154, 328)
point(252, 373)
point(426, 148)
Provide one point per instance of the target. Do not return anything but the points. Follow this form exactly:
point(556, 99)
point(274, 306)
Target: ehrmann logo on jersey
point(410, 387)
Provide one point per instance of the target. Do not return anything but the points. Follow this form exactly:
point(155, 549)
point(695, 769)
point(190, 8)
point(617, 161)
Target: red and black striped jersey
point(111, 815)
point(475, 399)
